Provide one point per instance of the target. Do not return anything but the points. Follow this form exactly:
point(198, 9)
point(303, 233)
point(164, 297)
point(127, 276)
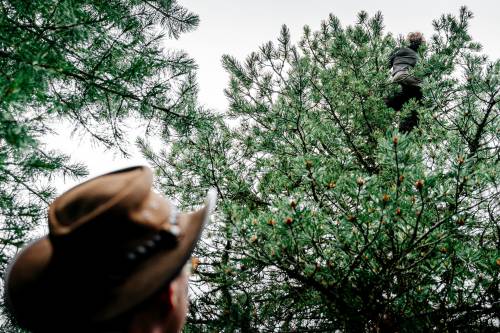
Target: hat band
point(125, 263)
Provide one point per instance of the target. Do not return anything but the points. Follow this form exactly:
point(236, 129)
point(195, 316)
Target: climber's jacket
point(402, 59)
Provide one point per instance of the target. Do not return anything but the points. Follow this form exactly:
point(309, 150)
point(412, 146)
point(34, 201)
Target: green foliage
point(329, 218)
point(93, 64)
point(96, 62)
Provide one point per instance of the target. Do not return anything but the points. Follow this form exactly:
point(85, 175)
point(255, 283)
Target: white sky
point(238, 27)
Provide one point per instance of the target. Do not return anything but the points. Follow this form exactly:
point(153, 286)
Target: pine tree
point(93, 64)
point(331, 219)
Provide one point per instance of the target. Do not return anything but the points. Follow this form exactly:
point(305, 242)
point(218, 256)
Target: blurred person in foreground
point(402, 60)
point(113, 261)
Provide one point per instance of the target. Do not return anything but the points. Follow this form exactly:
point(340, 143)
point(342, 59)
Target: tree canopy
point(331, 219)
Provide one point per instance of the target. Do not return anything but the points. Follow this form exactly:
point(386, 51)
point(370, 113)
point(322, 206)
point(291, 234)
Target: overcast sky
point(238, 27)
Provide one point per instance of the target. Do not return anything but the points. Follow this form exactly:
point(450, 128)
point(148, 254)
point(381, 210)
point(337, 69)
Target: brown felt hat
point(112, 243)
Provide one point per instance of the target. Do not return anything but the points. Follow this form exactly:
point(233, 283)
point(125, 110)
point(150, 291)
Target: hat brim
point(29, 296)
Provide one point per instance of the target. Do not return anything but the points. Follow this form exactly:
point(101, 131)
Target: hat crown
point(77, 203)
point(105, 198)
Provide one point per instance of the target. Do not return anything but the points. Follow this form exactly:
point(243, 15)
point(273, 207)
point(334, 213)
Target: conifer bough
point(387, 235)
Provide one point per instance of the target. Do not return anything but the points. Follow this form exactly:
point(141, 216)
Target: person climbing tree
point(402, 60)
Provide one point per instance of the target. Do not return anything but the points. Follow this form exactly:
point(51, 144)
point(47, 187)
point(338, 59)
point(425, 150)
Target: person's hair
point(415, 39)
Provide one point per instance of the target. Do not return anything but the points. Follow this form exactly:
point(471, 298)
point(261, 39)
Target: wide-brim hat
point(112, 243)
